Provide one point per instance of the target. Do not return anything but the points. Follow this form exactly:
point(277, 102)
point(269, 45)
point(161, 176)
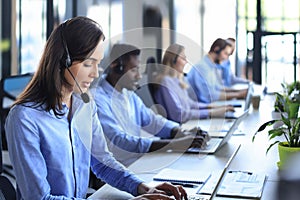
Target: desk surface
point(250, 157)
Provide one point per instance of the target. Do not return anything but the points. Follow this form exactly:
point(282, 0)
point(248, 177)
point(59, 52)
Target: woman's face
point(85, 72)
point(180, 62)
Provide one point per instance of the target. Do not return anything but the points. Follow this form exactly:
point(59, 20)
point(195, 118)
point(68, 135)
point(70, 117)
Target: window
point(30, 33)
point(280, 26)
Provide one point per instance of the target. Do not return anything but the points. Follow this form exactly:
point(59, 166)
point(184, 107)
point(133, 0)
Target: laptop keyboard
point(198, 197)
point(210, 144)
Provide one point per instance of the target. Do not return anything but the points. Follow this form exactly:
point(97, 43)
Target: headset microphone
point(84, 96)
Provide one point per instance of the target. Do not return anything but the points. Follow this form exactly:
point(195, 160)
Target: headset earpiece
point(218, 51)
point(119, 68)
point(175, 59)
point(221, 48)
point(177, 54)
point(68, 61)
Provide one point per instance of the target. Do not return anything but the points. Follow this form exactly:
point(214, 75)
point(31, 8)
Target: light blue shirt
point(123, 115)
point(52, 157)
point(178, 104)
point(228, 77)
point(204, 81)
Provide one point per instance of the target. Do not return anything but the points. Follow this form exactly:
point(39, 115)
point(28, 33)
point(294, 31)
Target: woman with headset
point(172, 92)
point(53, 132)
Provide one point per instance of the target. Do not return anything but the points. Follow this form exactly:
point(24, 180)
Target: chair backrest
point(148, 86)
point(151, 71)
point(10, 88)
point(1, 159)
point(7, 190)
point(144, 90)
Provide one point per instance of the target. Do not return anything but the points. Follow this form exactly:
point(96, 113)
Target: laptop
point(215, 143)
point(239, 111)
point(199, 196)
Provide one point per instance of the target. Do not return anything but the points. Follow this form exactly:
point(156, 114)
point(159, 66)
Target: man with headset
point(123, 114)
point(205, 80)
point(228, 77)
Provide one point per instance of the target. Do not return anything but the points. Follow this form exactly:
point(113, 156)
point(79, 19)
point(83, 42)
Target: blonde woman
point(172, 92)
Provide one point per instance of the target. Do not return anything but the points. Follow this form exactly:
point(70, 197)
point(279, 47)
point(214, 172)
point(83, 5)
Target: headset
point(119, 68)
point(177, 55)
point(221, 48)
point(67, 63)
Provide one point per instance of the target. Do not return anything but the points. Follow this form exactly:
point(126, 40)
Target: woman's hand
point(161, 191)
point(220, 111)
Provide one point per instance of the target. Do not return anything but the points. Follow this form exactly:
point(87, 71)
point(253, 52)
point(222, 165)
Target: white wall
point(219, 21)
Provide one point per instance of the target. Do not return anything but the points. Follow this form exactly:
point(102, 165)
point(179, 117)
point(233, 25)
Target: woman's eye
point(87, 64)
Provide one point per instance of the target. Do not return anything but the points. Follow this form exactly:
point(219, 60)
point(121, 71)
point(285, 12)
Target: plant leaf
point(271, 146)
point(292, 110)
point(296, 127)
point(277, 132)
point(262, 127)
point(285, 119)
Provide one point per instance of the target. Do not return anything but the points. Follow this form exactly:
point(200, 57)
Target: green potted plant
point(290, 91)
point(289, 129)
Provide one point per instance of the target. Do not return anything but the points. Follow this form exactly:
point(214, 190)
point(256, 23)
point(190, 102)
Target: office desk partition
point(251, 157)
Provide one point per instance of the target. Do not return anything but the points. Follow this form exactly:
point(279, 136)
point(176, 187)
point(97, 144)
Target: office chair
point(148, 86)
point(10, 88)
point(151, 70)
point(144, 91)
point(7, 190)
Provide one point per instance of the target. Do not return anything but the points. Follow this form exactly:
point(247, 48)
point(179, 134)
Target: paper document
point(242, 184)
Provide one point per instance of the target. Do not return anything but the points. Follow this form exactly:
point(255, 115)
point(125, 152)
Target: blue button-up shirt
point(228, 77)
point(51, 156)
point(204, 80)
point(123, 115)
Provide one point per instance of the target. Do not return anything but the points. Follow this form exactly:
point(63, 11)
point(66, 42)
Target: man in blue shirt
point(228, 78)
point(205, 79)
point(123, 115)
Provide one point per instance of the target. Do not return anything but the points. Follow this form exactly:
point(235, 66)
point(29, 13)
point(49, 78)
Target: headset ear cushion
point(119, 69)
point(68, 61)
point(175, 59)
point(218, 51)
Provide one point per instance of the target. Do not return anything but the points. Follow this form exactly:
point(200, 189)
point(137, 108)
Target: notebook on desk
point(182, 176)
point(215, 143)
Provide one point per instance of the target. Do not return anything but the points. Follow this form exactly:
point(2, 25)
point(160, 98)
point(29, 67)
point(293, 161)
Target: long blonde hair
point(168, 64)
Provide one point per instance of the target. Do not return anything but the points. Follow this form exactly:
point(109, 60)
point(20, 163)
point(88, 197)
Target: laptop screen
point(249, 96)
point(224, 171)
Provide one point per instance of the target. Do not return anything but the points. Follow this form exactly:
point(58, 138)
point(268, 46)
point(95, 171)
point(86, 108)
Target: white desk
point(251, 157)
